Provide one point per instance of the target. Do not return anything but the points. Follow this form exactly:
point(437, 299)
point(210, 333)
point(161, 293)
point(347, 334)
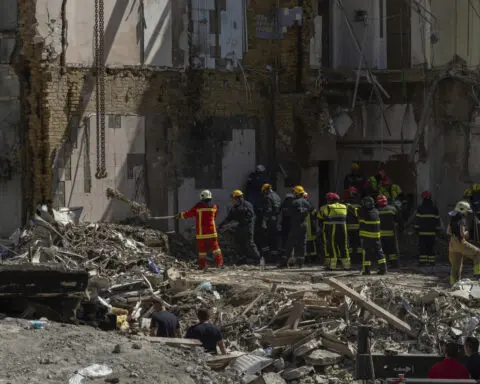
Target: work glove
point(178, 216)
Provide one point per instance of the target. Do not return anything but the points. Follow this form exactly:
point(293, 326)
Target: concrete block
point(321, 357)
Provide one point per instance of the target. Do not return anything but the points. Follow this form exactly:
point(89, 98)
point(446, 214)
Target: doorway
point(325, 179)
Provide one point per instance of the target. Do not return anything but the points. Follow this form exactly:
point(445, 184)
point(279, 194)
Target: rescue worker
point(285, 223)
point(334, 218)
point(298, 211)
point(205, 213)
point(373, 183)
point(391, 191)
point(311, 254)
point(270, 211)
point(354, 179)
point(353, 227)
point(388, 231)
point(369, 220)
point(253, 194)
point(427, 224)
point(458, 246)
point(243, 213)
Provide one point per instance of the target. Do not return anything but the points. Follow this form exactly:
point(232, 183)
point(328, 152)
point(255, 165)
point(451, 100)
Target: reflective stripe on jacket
point(335, 213)
point(427, 219)
point(205, 214)
point(369, 223)
point(352, 217)
point(312, 225)
point(388, 216)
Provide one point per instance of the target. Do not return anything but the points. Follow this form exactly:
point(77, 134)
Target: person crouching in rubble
point(205, 213)
point(298, 211)
point(244, 214)
point(209, 335)
point(459, 246)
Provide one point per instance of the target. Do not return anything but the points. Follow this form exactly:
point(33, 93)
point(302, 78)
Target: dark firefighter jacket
point(298, 211)
point(388, 219)
point(270, 206)
point(253, 188)
point(352, 216)
point(243, 213)
point(369, 223)
point(427, 219)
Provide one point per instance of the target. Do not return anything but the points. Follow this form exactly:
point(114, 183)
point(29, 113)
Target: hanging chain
point(100, 88)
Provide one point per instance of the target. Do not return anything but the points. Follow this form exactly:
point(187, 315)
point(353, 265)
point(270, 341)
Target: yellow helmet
point(237, 193)
point(463, 207)
point(467, 192)
point(476, 188)
point(355, 166)
point(266, 186)
point(298, 190)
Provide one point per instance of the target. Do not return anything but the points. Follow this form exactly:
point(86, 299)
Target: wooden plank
point(250, 306)
point(220, 362)
point(332, 343)
point(372, 307)
point(175, 341)
point(295, 315)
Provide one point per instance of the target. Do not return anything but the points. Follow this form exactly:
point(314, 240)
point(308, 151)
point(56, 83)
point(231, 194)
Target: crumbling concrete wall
point(250, 107)
point(10, 117)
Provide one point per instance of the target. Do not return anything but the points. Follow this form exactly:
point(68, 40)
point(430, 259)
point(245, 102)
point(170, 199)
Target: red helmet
point(331, 196)
point(382, 201)
point(352, 191)
point(386, 180)
point(382, 173)
point(426, 195)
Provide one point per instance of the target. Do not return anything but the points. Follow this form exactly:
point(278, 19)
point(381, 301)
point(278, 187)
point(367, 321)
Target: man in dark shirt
point(207, 333)
point(164, 324)
point(449, 368)
point(473, 360)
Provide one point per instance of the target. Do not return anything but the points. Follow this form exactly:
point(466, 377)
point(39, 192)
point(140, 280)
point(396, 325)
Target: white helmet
point(463, 207)
point(261, 168)
point(205, 195)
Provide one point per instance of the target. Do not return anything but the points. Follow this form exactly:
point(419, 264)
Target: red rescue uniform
point(448, 369)
point(205, 213)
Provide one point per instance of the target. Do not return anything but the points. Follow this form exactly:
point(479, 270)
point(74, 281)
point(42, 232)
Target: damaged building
point(197, 92)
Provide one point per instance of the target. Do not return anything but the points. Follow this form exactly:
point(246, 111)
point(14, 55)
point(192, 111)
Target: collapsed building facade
point(199, 91)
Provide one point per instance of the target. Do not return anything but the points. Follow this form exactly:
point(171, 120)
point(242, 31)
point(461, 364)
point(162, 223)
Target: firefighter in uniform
point(298, 211)
point(356, 180)
point(270, 211)
point(311, 254)
point(427, 224)
point(374, 182)
point(388, 222)
point(369, 220)
point(334, 218)
point(205, 213)
point(391, 191)
point(352, 225)
point(244, 214)
point(458, 246)
point(285, 222)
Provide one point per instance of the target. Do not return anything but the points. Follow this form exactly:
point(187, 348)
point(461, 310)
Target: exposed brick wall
point(57, 97)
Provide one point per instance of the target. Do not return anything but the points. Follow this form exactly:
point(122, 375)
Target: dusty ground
point(52, 355)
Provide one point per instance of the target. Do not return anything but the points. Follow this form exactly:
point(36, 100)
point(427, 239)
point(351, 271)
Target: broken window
point(219, 33)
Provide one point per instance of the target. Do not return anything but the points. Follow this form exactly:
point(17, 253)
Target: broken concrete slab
point(460, 294)
point(269, 378)
point(306, 348)
point(322, 358)
point(297, 373)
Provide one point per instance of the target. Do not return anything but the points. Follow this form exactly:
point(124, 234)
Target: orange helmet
point(382, 201)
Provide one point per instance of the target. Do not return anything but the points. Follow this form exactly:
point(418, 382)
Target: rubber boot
point(366, 270)
point(382, 269)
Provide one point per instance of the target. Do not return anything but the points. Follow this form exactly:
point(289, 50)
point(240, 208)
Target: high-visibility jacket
point(312, 225)
point(369, 223)
point(388, 219)
point(205, 213)
point(352, 216)
point(427, 219)
point(335, 213)
point(391, 192)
